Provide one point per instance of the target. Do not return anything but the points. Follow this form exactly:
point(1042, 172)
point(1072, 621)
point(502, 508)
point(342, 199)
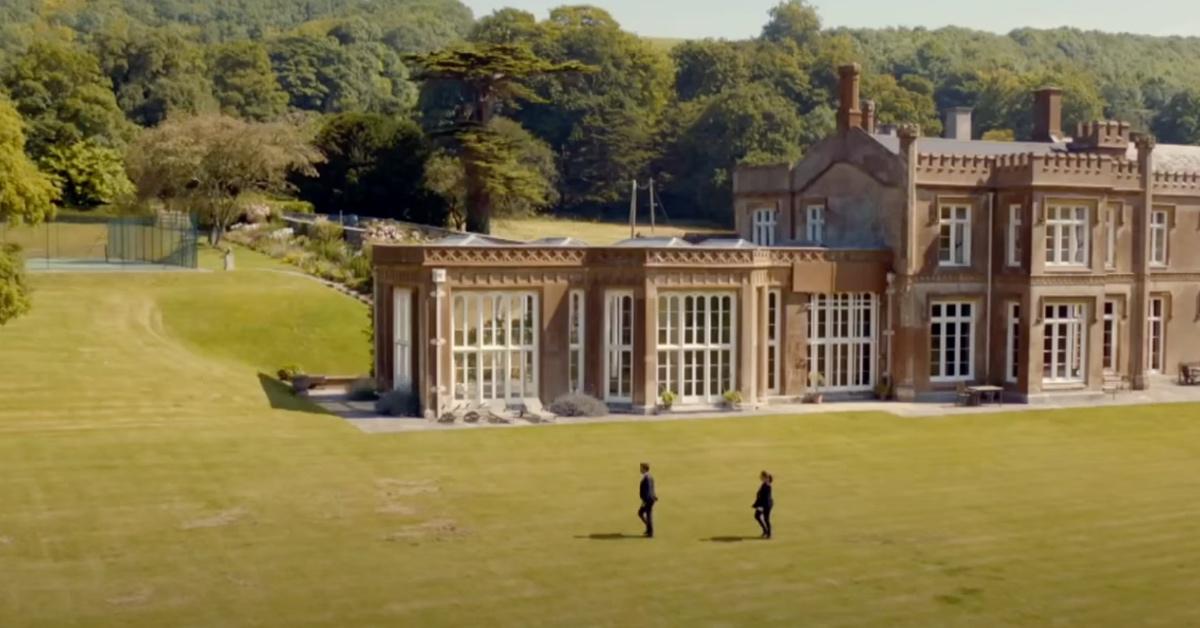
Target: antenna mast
point(633, 210)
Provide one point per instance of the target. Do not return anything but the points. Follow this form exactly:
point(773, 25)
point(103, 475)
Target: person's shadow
point(609, 536)
point(732, 539)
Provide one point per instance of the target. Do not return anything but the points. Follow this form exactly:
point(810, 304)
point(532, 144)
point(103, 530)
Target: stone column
point(1139, 297)
point(747, 354)
point(646, 353)
point(761, 377)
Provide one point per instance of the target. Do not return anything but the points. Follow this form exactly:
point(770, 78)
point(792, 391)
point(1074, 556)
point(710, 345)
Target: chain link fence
point(74, 240)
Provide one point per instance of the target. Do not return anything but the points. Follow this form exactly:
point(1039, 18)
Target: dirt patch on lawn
point(133, 598)
point(5, 540)
point(433, 530)
point(221, 519)
point(395, 487)
point(393, 495)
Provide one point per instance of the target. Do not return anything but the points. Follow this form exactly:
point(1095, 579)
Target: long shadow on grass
point(610, 536)
point(281, 397)
point(732, 539)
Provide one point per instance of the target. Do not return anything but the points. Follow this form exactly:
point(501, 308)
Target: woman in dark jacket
point(763, 503)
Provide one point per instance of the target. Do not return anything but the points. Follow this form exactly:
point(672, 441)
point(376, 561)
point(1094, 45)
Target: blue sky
point(742, 18)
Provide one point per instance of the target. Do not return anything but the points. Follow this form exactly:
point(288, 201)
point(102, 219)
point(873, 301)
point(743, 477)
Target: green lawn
point(149, 478)
point(592, 232)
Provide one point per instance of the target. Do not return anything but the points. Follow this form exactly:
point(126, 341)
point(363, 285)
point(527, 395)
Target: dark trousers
point(763, 517)
point(646, 514)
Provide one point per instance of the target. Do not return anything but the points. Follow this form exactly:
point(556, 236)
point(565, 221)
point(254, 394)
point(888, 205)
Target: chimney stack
point(849, 114)
point(958, 123)
point(1047, 114)
point(868, 107)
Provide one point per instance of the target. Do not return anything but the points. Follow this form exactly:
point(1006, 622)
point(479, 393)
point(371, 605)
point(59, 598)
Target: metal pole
point(633, 210)
point(651, 205)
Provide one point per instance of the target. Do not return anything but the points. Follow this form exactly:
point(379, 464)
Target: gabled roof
point(467, 239)
point(559, 241)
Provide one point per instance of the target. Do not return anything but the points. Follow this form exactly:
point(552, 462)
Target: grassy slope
point(146, 480)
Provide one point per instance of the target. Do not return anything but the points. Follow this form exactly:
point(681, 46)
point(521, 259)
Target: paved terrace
point(1164, 390)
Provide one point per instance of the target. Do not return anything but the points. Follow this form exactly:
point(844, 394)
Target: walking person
point(648, 496)
point(763, 503)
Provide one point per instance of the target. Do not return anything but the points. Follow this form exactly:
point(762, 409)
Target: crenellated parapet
point(1177, 182)
point(1103, 135)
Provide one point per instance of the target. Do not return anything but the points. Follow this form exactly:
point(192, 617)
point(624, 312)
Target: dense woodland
point(99, 85)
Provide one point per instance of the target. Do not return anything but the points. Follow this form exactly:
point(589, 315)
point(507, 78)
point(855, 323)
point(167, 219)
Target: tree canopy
point(26, 196)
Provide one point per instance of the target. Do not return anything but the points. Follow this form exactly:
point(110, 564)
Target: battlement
point(1103, 134)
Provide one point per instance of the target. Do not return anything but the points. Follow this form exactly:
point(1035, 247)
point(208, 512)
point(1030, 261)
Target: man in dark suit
point(648, 496)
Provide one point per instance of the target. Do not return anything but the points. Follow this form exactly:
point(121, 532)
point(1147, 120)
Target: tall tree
point(210, 163)
point(489, 77)
point(59, 89)
point(155, 73)
point(1179, 120)
point(244, 83)
point(26, 196)
point(793, 21)
point(525, 177)
point(373, 165)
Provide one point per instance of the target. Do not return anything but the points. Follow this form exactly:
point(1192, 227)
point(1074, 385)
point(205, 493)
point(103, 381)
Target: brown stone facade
point(710, 302)
point(1077, 259)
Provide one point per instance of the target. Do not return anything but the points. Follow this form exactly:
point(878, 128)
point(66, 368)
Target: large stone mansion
point(882, 257)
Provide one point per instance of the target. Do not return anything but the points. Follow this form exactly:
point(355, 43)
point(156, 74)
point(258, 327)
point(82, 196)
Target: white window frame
point(1159, 237)
point(842, 332)
point(948, 338)
point(1014, 234)
point(697, 345)
point(814, 224)
point(1111, 337)
point(576, 340)
point(774, 331)
point(954, 235)
point(619, 321)
point(1156, 336)
point(1068, 236)
point(402, 329)
point(763, 222)
point(511, 331)
point(1064, 343)
point(1110, 235)
point(1012, 353)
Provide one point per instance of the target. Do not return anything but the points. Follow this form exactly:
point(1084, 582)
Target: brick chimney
point(849, 113)
point(1047, 114)
point(957, 123)
point(868, 107)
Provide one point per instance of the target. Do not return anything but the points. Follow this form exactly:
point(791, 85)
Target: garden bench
point(1113, 384)
point(302, 384)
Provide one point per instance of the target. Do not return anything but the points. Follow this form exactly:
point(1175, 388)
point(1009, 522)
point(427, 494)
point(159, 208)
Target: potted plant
point(815, 379)
point(667, 400)
point(883, 389)
point(733, 399)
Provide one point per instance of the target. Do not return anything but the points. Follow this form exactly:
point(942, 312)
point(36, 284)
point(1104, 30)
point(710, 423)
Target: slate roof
point(1167, 157)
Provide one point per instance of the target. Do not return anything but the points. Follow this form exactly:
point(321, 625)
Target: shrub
point(288, 372)
point(325, 231)
point(578, 404)
point(397, 403)
point(732, 397)
point(293, 207)
point(362, 389)
point(668, 398)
